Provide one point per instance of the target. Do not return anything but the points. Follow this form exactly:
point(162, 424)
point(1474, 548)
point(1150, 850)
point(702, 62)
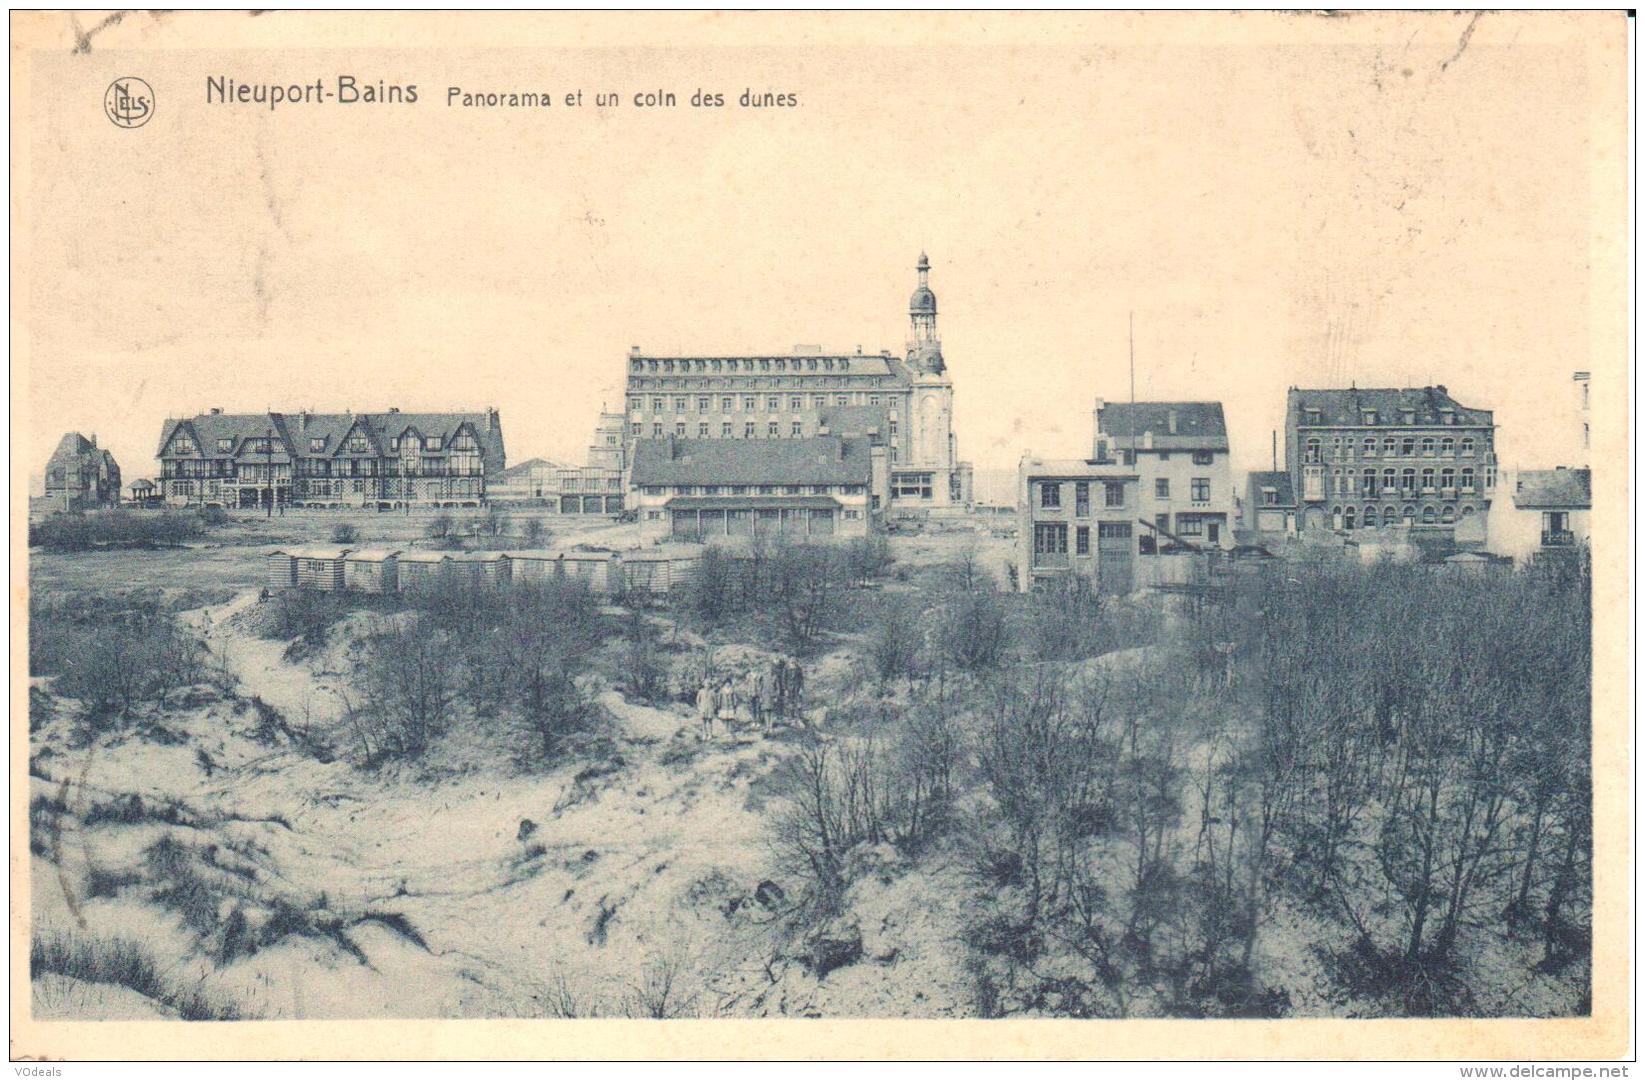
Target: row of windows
point(1199, 489)
point(755, 489)
point(1342, 482)
point(1201, 457)
point(1051, 538)
point(357, 444)
point(1407, 446)
point(745, 364)
point(1113, 495)
point(747, 402)
point(1447, 415)
point(1371, 518)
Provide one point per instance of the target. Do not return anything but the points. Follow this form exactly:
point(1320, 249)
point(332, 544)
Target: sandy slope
point(642, 872)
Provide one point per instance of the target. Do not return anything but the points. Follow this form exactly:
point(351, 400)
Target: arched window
point(1409, 516)
point(1408, 445)
point(1370, 517)
point(1447, 446)
point(1348, 518)
point(1408, 479)
point(1336, 517)
point(1447, 514)
point(1428, 515)
point(1427, 446)
point(1389, 447)
point(1370, 448)
point(1312, 456)
point(1467, 510)
point(1390, 516)
point(1447, 477)
point(1387, 480)
point(1467, 448)
point(1428, 479)
point(1468, 477)
point(1370, 481)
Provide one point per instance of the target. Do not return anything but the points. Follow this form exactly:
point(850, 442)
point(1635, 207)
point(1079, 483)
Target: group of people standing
point(759, 697)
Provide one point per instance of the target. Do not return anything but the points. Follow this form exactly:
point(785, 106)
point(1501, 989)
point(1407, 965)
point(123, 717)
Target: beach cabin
point(420, 569)
point(372, 570)
point(659, 571)
point(480, 568)
point(600, 570)
point(533, 566)
point(320, 568)
point(282, 570)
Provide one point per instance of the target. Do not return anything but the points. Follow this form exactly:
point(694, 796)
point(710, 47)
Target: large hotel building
point(901, 403)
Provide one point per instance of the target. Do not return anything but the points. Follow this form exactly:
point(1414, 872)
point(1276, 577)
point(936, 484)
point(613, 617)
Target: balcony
point(1558, 538)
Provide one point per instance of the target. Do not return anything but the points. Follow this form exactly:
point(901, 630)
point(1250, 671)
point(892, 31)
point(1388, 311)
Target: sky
point(1391, 200)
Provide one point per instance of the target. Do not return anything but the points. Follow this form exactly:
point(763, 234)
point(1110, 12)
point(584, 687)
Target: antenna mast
point(1131, 336)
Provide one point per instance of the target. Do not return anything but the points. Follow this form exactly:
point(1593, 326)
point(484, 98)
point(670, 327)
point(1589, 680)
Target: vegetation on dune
point(118, 529)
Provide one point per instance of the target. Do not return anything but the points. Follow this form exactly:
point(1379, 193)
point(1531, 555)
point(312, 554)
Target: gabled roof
point(1426, 405)
point(1279, 481)
point(1554, 489)
point(1199, 425)
point(523, 469)
point(372, 555)
point(825, 459)
point(294, 433)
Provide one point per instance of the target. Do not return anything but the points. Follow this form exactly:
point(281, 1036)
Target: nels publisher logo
point(129, 102)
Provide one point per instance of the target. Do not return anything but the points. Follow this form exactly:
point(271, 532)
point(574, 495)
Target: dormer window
point(1368, 416)
point(225, 445)
point(357, 443)
point(317, 444)
point(394, 444)
point(1312, 415)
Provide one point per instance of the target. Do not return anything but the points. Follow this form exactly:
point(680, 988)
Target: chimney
point(393, 409)
point(633, 350)
point(216, 410)
point(491, 418)
point(1096, 424)
point(302, 421)
point(1171, 421)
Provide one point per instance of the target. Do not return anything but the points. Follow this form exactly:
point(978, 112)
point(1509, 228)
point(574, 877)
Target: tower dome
point(924, 301)
point(924, 344)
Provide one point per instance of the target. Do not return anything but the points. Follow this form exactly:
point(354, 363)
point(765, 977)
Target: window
point(634, 429)
point(748, 402)
point(1408, 479)
point(1428, 479)
point(1203, 457)
point(679, 428)
point(748, 430)
point(1369, 480)
point(224, 446)
point(1312, 455)
point(317, 444)
point(1448, 515)
point(1082, 540)
point(725, 405)
point(657, 405)
point(1270, 497)
point(1050, 494)
point(773, 403)
point(679, 404)
point(1467, 478)
point(1368, 416)
point(1429, 515)
point(1387, 480)
point(873, 399)
point(1490, 477)
point(1467, 448)
point(1188, 526)
point(1348, 518)
point(1410, 516)
point(1162, 488)
point(657, 430)
point(725, 430)
point(1407, 446)
point(1113, 493)
point(820, 400)
point(357, 443)
point(771, 429)
point(702, 430)
point(702, 404)
point(794, 402)
point(1164, 456)
point(1370, 517)
point(1113, 530)
point(1447, 447)
point(1370, 448)
point(1200, 489)
point(1447, 478)
point(1390, 447)
point(796, 427)
point(1082, 499)
point(1427, 446)
point(1050, 538)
